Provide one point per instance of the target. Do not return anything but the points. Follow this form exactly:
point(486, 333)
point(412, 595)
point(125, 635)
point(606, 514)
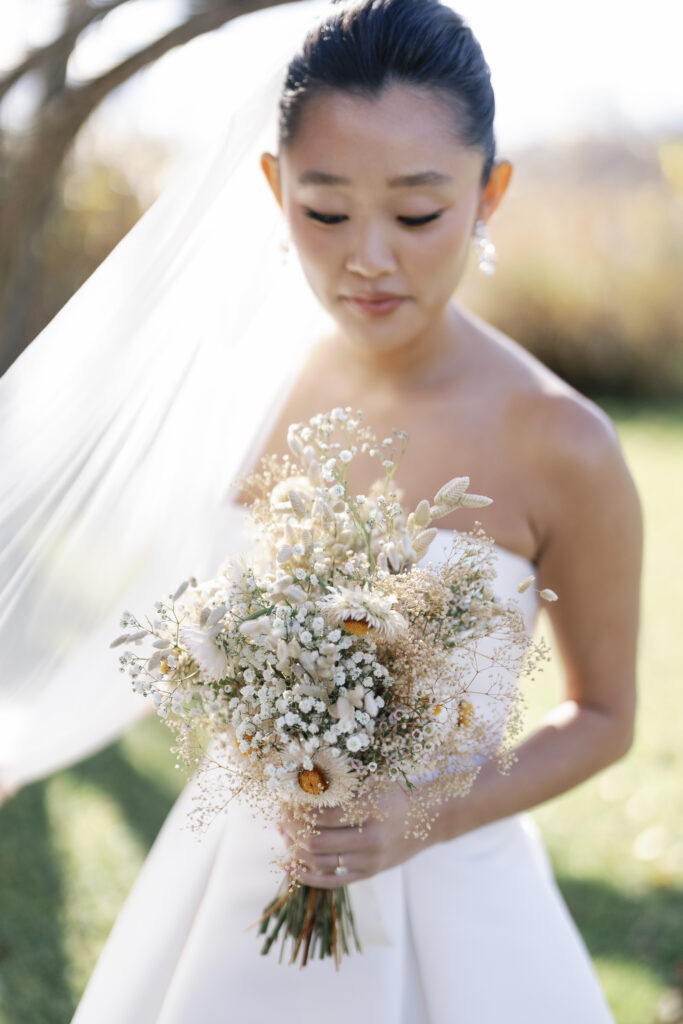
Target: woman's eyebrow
point(404, 181)
point(423, 178)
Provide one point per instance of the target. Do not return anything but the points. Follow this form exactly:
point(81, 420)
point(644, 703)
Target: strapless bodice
point(511, 569)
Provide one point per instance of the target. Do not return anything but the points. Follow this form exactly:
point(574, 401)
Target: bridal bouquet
point(329, 665)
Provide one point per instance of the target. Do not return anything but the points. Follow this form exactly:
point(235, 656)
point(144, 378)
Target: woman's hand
point(380, 844)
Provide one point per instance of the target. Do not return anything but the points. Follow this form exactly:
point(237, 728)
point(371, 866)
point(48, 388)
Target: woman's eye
point(416, 222)
point(326, 218)
point(337, 218)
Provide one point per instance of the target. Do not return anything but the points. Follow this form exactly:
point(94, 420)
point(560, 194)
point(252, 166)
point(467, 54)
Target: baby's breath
point(328, 665)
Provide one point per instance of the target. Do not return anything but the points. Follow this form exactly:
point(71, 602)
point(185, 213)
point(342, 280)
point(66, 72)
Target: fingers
point(318, 866)
point(329, 880)
point(329, 840)
point(320, 871)
point(314, 855)
point(331, 817)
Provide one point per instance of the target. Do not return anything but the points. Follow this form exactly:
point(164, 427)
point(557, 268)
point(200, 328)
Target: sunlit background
point(590, 246)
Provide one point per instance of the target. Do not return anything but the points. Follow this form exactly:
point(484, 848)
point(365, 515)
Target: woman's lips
point(375, 305)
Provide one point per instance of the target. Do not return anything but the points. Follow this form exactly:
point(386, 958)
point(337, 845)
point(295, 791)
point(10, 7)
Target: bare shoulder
point(565, 447)
point(545, 413)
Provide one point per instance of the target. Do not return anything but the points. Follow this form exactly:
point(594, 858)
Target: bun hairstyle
point(367, 45)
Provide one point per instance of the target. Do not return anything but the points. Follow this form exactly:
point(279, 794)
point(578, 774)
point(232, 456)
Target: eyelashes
point(338, 218)
point(416, 222)
point(326, 218)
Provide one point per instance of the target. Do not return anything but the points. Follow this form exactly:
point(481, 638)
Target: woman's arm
point(590, 554)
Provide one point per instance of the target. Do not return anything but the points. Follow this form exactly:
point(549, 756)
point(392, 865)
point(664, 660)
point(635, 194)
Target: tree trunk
point(29, 174)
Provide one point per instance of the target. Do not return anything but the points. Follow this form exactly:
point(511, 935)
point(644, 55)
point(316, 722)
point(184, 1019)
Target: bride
point(386, 172)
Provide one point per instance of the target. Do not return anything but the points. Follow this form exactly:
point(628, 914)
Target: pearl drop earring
point(484, 249)
point(284, 250)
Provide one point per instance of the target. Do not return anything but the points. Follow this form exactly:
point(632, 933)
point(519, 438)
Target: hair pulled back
point(368, 45)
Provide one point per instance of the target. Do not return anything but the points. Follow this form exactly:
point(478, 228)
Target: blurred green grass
point(70, 847)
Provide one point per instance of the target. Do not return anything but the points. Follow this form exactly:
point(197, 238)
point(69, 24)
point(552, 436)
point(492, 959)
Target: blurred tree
point(31, 160)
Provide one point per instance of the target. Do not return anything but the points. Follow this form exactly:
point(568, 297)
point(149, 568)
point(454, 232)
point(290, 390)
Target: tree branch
point(43, 55)
point(33, 171)
point(88, 95)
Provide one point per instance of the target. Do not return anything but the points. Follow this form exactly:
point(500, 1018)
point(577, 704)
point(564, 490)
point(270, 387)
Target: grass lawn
point(70, 847)
point(617, 841)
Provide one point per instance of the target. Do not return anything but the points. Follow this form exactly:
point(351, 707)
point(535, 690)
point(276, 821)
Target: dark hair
point(367, 46)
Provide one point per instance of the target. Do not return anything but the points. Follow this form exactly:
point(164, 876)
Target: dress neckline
point(498, 547)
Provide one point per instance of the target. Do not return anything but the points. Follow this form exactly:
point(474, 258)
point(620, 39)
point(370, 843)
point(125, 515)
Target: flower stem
point(305, 918)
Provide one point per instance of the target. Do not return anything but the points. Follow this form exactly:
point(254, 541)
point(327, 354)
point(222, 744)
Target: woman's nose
point(371, 254)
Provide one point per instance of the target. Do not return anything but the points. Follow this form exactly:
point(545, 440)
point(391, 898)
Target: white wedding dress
point(472, 931)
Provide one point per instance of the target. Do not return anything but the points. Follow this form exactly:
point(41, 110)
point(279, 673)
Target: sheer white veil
point(125, 421)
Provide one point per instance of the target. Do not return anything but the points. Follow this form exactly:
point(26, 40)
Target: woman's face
point(381, 199)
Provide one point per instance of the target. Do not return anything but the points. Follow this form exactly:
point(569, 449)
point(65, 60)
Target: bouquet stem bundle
point(315, 920)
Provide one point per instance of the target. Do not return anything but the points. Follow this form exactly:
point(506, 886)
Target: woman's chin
point(373, 333)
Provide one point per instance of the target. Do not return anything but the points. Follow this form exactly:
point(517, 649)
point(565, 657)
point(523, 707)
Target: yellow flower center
point(245, 739)
point(163, 667)
point(314, 781)
point(465, 713)
point(356, 626)
point(437, 710)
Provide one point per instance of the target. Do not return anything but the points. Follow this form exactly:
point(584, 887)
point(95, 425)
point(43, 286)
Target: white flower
point(202, 646)
point(280, 493)
point(525, 584)
point(344, 711)
point(548, 595)
point(451, 493)
point(329, 781)
point(360, 611)
point(251, 627)
point(371, 705)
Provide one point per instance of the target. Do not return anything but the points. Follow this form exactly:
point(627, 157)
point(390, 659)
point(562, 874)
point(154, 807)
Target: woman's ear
point(271, 169)
point(495, 189)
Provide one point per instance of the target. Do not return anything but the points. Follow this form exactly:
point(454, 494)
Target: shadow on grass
point(34, 968)
point(143, 804)
point(643, 927)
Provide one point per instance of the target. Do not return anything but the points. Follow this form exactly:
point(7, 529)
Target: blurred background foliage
point(44, 104)
point(590, 243)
